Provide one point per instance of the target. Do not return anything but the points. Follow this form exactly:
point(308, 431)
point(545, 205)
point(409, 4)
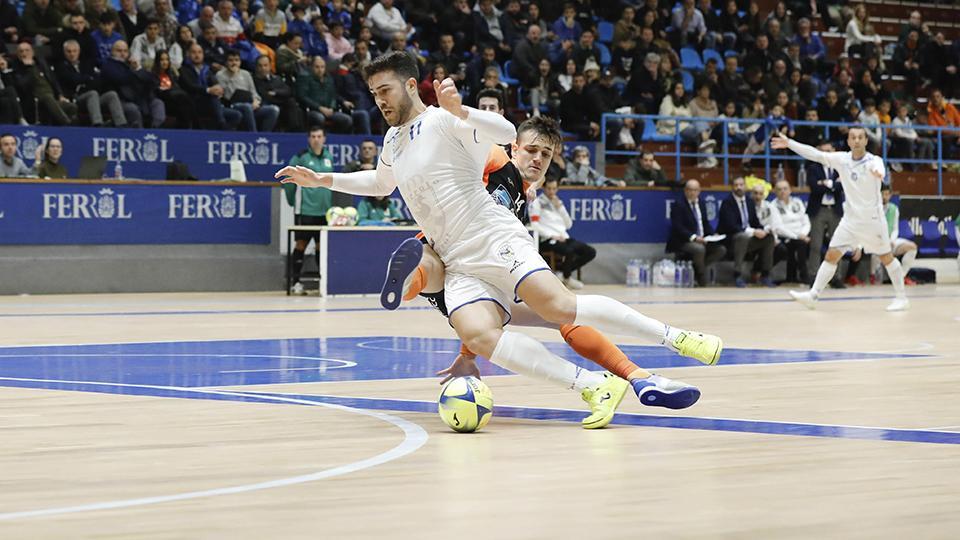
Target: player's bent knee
point(484, 342)
point(559, 309)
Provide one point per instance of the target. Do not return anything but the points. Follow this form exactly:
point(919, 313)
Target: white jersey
point(437, 160)
point(861, 188)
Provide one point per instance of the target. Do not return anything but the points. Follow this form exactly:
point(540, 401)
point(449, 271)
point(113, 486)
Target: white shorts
point(900, 242)
point(872, 235)
point(490, 266)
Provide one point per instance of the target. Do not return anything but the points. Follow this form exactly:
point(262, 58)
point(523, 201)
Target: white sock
point(608, 315)
point(895, 271)
point(908, 259)
point(527, 356)
point(824, 275)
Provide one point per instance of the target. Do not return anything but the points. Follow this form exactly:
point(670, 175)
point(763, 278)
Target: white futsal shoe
point(806, 298)
point(900, 303)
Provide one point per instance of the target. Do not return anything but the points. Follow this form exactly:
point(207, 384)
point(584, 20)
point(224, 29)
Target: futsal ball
point(333, 213)
point(466, 404)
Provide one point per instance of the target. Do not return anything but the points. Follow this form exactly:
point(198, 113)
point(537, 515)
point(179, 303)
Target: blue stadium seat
point(506, 77)
point(523, 105)
point(605, 57)
point(711, 53)
point(605, 32)
point(905, 231)
point(952, 248)
point(687, 81)
point(930, 242)
point(690, 59)
point(650, 133)
point(729, 52)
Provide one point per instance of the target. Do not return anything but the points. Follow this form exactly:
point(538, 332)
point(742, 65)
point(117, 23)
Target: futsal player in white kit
point(863, 223)
point(436, 155)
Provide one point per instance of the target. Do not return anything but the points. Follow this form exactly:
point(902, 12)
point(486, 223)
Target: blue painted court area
point(277, 361)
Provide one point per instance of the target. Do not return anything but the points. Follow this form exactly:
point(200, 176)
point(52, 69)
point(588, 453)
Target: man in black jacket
point(575, 110)
point(78, 31)
point(38, 89)
point(80, 82)
point(825, 209)
point(276, 92)
point(745, 234)
point(689, 228)
point(527, 56)
point(135, 86)
point(199, 82)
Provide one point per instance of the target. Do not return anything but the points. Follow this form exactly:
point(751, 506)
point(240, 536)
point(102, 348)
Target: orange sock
point(417, 282)
point(594, 346)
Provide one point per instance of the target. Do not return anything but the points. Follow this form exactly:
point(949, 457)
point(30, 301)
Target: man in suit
point(80, 82)
point(745, 234)
point(134, 85)
point(689, 227)
point(825, 209)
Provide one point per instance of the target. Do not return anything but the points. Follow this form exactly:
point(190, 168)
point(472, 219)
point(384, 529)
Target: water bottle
point(802, 177)
point(645, 273)
point(118, 171)
point(678, 274)
point(690, 275)
point(633, 273)
point(780, 174)
point(878, 275)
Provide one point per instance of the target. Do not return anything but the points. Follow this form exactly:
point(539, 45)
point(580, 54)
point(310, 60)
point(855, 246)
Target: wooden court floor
point(170, 416)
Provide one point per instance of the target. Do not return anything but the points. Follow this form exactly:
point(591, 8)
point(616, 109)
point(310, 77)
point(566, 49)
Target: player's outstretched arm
point(489, 125)
point(779, 141)
point(378, 182)
point(303, 177)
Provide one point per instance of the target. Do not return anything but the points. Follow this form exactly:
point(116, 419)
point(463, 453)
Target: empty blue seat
point(690, 59)
point(506, 76)
point(930, 241)
point(904, 230)
point(605, 32)
point(650, 133)
point(711, 53)
point(687, 81)
point(952, 247)
point(605, 57)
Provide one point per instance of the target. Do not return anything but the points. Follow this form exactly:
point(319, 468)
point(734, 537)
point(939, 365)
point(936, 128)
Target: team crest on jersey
point(853, 176)
point(505, 252)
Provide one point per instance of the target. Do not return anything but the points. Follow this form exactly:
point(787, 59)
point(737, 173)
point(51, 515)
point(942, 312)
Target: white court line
point(414, 437)
point(344, 363)
point(366, 345)
point(280, 370)
point(921, 346)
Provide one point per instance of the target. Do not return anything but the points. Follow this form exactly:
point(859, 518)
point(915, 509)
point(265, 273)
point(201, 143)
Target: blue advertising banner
point(128, 213)
point(145, 154)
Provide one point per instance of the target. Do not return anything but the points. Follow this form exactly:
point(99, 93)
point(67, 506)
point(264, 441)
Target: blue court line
point(428, 308)
point(649, 420)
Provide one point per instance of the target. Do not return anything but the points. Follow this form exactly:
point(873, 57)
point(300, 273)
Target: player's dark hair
point(858, 126)
point(491, 93)
point(551, 180)
point(544, 127)
point(398, 62)
point(316, 127)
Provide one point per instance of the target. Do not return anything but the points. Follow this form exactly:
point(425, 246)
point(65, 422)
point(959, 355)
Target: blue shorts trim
point(485, 298)
point(516, 298)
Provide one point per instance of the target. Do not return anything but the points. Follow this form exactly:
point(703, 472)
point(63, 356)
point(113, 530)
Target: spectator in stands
point(34, 80)
point(399, 44)
point(579, 171)
point(490, 99)
point(310, 208)
point(491, 81)
point(756, 25)
point(732, 85)
point(368, 158)
point(645, 86)
point(488, 28)
point(915, 24)
point(199, 82)
point(353, 90)
point(337, 44)
point(174, 99)
point(478, 67)
point(871, 122)
point(812, 50)
point(704, 106)
point(534, 17)
point(784, 18)
point(79, 32)
point(566, 29)
point(291, 60)
point(168, 22)
point(907, 59)
point(135, 86)
point(688, 25)
point(105, 37)
point(48, 163)
point(697, 133)
point(939, 64)
point(449, 58)
point(214, 53)
point(10, 111)
point(689, 229)
point(942, 113)
point(145, 46)
point(385, 20)
point(810, 135)
point(457, 20)
point(745, 235)
point(644, 171)
point(768, 217)
point(843, 86)
point(427, 93)
point(647, 43)
point(80, 82)
point(760, 56)
point(901, 247)
point(776, 81)
point(907, 143)
point(626, 28)
point(132, 22)
point(585, 51)
point(10, 165)
point(793, 233)
point(9, 23)
point(269, 24)
point(527, 55)
point(96, 9)
point(830, 109)
point(736, 133)
point(547, 90)
point(298, 23)
point(575, 111)
point(552, 226)
point(711, 21)
point(181, 46)
point(624, 57)
point(709, 77)
point(378, 211)
point(860, 35)
point(869, 87)
point(315, 41)
point(229, 28)
point(42, 21)
point(241, 94)
point(778, 41)
point(315, 92)
point(206, 15)
point(275, 91)
point(825, 209)
point(731, 25)
point(512, 22)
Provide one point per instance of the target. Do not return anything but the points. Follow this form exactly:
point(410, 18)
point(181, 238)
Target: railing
point(650, 120)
